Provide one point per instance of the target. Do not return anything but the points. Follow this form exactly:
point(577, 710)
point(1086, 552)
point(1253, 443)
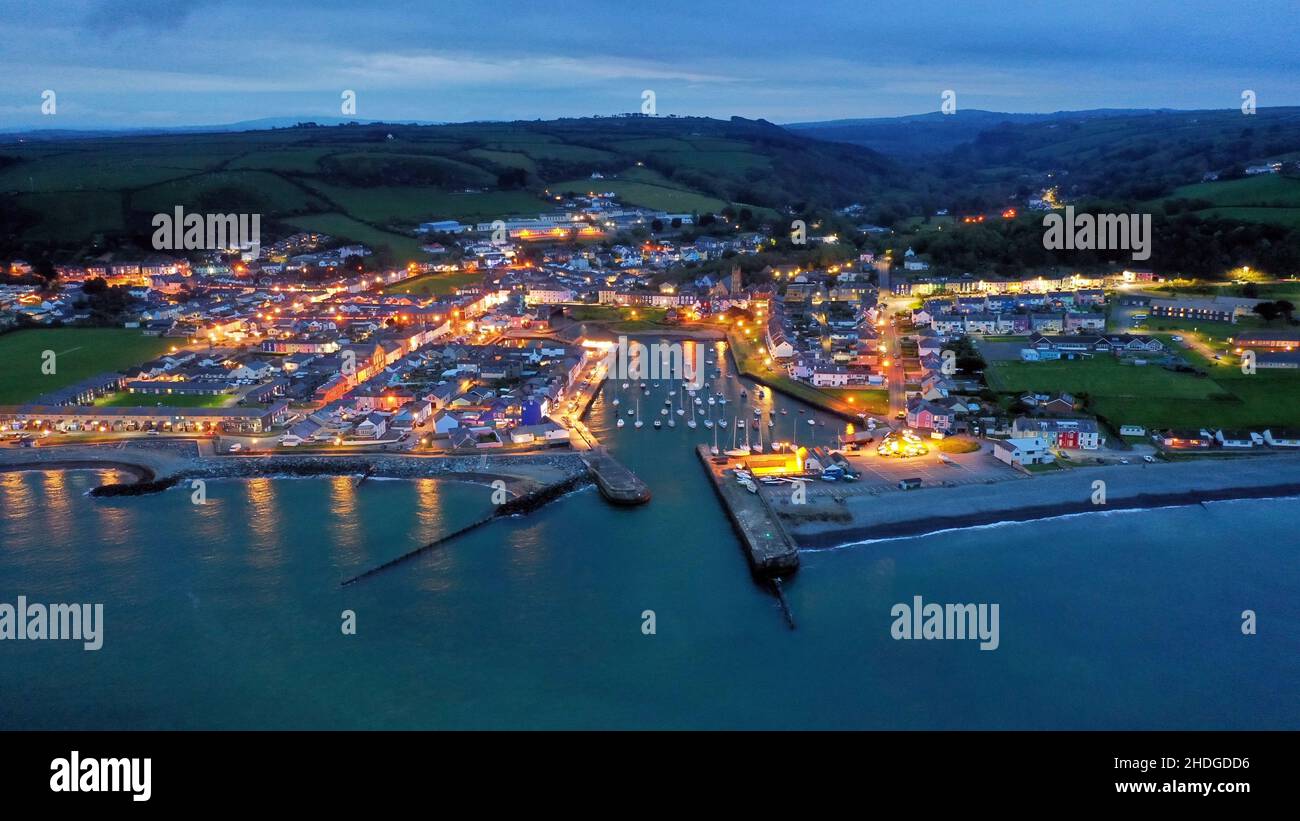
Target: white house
point(373, 427)
point(1282, 438)
point(1029, 451)
point(444, 423)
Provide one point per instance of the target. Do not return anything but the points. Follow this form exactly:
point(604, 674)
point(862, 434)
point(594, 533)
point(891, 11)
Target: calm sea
point(227, 615)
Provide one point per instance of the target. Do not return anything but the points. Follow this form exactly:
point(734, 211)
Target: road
point(894, 350)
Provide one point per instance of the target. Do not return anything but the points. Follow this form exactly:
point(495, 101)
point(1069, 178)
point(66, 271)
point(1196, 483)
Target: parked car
point(1148, 458)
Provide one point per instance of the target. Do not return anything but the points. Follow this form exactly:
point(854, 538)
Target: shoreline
point(141, 473)
point(851, 536)
point(889, 513)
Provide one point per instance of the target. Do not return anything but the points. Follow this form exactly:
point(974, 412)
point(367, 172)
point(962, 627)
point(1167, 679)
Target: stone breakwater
point(539, 469)
point(157, 468)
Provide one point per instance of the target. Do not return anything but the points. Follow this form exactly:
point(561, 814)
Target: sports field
point(79, 353)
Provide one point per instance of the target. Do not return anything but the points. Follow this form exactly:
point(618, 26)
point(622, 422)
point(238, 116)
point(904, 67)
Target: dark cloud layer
point(148, 63)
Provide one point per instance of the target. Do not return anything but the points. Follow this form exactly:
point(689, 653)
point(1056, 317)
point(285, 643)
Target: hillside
point(1268, 198)
point(382, 180)
point(927, 134)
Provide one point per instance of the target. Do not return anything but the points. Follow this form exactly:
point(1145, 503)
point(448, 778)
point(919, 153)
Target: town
point(495, 342)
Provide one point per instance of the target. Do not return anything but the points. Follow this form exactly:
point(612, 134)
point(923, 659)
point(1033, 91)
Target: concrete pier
point(771, 551)
point(617, 484)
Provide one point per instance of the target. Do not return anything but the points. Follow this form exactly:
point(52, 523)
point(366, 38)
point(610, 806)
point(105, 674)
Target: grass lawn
point(1047, 467)
point(955, 445)
point(125, 399)
point(79, 353)
point(628, 320)
point(870, 400)
point(1156, 398)
point(427, 285)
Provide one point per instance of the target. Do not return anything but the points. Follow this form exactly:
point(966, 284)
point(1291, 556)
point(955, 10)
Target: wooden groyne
point(617, 484)
point(771, 551)
point(518, 506)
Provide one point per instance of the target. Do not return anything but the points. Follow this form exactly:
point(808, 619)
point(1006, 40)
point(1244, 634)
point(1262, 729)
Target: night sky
point(142, 63)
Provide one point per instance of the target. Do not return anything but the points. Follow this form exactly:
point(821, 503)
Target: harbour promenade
point(770, 550)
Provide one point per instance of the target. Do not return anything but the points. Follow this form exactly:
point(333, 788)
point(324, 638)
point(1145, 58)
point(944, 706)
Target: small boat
point(713, 400)
point(620, 422)
point(784, 412)
point(658, 424)
point(692, 424)
point(812, 421)
point(758, 411)
point(672, 423)
point(656, 385)
point(744, 394)
point(638, 422)
point(631, 412)
point(698, 401)
point(741, 424)
point(663, 411)
point(722, 423)
point(616, 401)
point(624, 386)
point(801, 410)
point(708, 423)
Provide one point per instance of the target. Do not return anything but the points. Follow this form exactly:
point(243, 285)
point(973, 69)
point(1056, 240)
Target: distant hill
point(243, 125)
point(373, 183)
point(934, 132)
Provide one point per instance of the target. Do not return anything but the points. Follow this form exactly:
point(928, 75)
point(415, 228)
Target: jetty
point(772, 553)
point(616, 483)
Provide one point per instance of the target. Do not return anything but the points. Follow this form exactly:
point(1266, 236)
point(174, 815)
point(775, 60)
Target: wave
point(1059, 517)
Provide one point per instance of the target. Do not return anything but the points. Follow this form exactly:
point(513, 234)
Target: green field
point(403, 248)
point(1269, 198)
point(645, 195)
point(620, 319)
point(433, 284)
point(1156, 398)
point(126, 399)
point(413, 205)
point(79, 354)
point(74, 213)
point(227, 192)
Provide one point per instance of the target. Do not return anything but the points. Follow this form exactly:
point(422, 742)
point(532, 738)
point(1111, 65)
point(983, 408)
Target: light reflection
point(346, 534)
point(264, 521)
